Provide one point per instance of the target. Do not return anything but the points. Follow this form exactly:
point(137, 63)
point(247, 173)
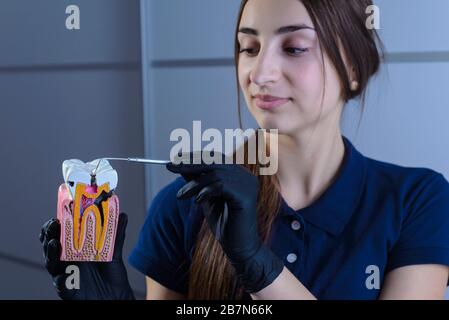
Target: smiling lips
point(267, 102)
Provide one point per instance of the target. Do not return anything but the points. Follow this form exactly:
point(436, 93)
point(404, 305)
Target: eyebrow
point(281, 30)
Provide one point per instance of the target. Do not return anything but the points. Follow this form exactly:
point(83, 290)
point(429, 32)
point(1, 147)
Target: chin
point(275, 122)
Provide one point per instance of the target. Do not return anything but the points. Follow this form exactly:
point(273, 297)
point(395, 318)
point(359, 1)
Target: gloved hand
point(227, 193)
point(98, 280)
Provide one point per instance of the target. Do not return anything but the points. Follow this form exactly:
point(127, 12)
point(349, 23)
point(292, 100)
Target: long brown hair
point(340, 25)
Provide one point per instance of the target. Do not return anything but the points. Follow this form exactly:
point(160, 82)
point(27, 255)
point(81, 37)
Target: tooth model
point(88, 210)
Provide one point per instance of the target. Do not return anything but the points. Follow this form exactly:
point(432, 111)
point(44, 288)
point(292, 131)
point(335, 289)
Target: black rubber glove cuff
point(259, 271)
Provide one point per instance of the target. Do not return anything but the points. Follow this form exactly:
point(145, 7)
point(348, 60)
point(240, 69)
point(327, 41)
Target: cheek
point(333, 86)
point(307, 81)
point(243, 74)
point(244, 82)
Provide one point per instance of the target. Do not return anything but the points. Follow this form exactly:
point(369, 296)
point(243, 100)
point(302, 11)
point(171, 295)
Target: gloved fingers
point(52, 257)
point(43, 230)
point(192, 163)
point(120, 236)
point(210, 191)
point(230, 172)
point(189, 177)
point(194, 186)
point(200, 157)
point(50, 230)
point(222, 221)
point(189, 169)
point(214, 208)
point(59, 282)
point(219, 218)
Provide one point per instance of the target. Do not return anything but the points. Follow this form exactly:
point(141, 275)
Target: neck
point(308, 164)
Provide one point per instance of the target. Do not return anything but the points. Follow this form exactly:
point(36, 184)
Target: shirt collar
point(333, 209)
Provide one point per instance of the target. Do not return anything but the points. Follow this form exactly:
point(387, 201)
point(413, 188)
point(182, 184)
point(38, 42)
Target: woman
point(331, 223)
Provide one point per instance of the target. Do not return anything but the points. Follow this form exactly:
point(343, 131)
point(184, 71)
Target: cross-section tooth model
point(88, 210)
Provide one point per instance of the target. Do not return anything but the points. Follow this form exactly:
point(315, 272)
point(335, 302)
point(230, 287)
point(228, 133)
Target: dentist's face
point(286, 65)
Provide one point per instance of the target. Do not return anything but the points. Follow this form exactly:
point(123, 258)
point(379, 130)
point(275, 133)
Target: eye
point(249, 51)
point(296, 51)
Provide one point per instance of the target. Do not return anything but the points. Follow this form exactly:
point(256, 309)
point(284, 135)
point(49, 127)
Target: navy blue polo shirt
point(373, 218)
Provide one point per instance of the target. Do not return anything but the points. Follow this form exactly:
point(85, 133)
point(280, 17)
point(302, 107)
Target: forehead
point(268, 15)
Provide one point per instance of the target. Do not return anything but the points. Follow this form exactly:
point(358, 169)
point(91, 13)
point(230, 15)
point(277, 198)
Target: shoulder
point(416, 189)
point(403, 179)
point(416, 201)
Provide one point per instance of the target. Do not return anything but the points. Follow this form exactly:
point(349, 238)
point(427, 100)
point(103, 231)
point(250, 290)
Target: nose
point(265, 69)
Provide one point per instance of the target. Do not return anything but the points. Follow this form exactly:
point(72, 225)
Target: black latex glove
point(227, 194)
point(98, 280)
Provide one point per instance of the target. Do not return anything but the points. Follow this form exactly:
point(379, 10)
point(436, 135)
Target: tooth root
point(82, 235)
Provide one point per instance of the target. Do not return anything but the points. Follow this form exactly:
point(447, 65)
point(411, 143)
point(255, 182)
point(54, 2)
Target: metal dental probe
point(140, 160)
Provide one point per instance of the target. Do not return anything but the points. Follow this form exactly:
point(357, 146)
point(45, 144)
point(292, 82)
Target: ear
point(352, 75)
point(350, 70)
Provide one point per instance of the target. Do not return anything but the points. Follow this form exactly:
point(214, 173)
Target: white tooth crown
point(76, 171)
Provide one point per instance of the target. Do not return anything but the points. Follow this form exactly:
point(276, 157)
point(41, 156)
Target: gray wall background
point(54, 81)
